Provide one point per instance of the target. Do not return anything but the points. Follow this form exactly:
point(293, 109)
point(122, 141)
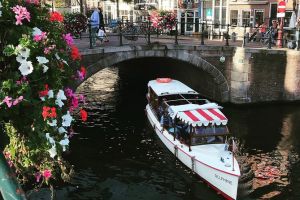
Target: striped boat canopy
point(199, 115)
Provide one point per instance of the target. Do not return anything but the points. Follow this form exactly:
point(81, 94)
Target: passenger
point(183, 134)
point(166, 121)
point(200, 130)
point(160, 111)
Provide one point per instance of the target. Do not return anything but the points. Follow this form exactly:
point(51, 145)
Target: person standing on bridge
point(102, 25)
point(95, 24)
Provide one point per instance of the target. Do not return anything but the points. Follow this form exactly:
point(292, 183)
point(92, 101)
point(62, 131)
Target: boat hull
point(223, 182)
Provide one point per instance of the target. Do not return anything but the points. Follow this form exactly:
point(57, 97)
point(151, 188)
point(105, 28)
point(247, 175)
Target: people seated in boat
point(160, 109)
point(200, 130)
point(183, 134)
point(166, 121)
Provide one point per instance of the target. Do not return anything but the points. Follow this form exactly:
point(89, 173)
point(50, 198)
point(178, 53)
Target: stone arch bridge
point(246, 75)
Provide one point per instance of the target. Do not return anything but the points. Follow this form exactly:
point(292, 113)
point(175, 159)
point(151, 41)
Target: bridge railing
point(200, 33)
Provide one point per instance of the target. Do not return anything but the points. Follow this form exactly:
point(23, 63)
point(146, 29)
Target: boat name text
point(223, 179)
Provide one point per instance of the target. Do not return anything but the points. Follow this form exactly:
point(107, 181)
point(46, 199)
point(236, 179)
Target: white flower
point(52, 151)
point(61, 95)
point(36, 31)
point(26, 68)
point(67, 119)
point(59, 102)
point(50, 94)
point(42, 59)
point(53, 123)
point(45, 68)
point(64, 62)
point(64, 142)
point(21, 59)
point(57, 56)
point(24, 52)
point(62, 130)
point(50, 139)
point(42, 98)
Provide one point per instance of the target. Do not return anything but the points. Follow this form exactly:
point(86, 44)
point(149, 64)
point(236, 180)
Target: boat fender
point(193, 163)
point(176, 151)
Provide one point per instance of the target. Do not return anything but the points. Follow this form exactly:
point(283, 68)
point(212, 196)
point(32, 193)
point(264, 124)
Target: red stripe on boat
point(222, 117)
point(191, 115)
point(206, 116)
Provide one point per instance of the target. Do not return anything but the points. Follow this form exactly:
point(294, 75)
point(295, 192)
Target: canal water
point(118, 157)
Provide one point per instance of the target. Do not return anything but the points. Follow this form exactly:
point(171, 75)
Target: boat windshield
point(209, 135)
point(181, 99)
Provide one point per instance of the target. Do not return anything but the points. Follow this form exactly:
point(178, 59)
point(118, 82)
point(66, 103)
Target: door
point(273, 13)
point(182, 24)
point(259, 17)
point(196, 24)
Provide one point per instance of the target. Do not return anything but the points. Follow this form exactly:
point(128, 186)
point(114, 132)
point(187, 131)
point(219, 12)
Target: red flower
point(44, 92)
point(83, 115)
point(53, 113)
point(75, 53)
point(83, 71)
point(46, 112)
point(56, 16)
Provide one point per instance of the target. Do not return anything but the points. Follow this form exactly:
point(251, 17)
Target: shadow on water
point(117, 155)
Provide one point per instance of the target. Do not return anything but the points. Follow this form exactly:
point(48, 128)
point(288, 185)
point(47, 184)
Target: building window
point(246, 18)
point(220, 13)
point(189, 20)
point(287, 18)
point(234, 17)
point(207, 10)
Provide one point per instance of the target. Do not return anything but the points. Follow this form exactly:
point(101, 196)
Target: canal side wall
point(258, 75)
point(250, 75)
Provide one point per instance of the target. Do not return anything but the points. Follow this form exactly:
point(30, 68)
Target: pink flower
point(69, 92)
point(36, 2)
point(80, 75)
point(38, 176)
point(38, 38)
point(47, 174)
point(47, 50)
point(22, 80)
point(68, 38)
point(74, 102)
point(21, 13)
point(8, 101)
point(18, 100)
point(82, 98)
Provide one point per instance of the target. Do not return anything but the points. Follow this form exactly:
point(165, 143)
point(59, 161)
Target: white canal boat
point(195, 131)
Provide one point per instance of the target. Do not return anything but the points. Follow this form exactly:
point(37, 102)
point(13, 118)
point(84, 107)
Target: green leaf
point(9, 50)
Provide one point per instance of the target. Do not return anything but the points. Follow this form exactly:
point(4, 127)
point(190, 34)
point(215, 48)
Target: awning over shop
point(199, 115)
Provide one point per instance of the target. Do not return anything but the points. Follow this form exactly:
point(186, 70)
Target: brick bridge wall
point(246, 76)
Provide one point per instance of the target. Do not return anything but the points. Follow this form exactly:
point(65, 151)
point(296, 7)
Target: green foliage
point(37, 63)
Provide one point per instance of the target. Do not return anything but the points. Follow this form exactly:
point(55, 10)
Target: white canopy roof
point(172, 87)
point(199, 115)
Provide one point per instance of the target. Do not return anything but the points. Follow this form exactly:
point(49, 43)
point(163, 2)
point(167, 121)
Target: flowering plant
point(75, 23)
point(38, 63)
point(163, 20)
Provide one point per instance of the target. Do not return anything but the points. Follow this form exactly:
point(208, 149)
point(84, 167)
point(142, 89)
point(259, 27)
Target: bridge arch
point(110, 59)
